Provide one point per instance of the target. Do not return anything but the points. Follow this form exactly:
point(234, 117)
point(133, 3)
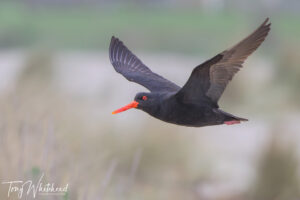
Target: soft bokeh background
point(58, 88)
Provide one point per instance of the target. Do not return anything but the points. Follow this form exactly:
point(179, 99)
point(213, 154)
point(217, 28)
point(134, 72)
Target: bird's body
point(196, 103)
point(167, 107)
point(199, 114)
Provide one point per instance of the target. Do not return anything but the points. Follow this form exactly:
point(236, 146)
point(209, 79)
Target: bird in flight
point(196, 103)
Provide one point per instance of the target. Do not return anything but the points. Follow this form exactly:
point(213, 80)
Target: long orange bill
point(133, 104)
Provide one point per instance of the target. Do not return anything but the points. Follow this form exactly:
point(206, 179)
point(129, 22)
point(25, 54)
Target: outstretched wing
point(211, 78)
point(132, 68)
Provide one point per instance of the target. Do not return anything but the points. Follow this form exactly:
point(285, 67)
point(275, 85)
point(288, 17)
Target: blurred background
point(58, 89)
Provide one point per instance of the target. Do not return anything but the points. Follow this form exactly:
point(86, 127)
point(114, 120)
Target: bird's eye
point(144, 98)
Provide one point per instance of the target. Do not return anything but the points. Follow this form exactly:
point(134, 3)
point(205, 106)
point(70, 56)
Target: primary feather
point(133, 69)
point(211, 77)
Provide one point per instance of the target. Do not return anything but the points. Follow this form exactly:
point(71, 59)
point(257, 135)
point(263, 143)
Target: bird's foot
point(232, 122)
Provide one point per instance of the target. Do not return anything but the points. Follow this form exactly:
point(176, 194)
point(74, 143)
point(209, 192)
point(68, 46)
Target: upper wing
point(211, 78)
point(132, 68)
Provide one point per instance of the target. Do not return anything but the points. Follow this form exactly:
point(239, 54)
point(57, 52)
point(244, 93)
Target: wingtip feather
point(113, 38)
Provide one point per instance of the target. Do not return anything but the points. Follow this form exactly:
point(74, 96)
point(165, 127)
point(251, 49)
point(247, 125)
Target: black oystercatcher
point(196, 103)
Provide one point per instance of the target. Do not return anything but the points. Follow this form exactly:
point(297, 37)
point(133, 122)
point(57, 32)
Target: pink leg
point(232, 122)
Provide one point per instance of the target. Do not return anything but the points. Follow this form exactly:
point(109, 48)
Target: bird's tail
point(241, 119)
point(229, 116)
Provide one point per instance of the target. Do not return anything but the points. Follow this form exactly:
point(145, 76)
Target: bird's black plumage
point(132, 68)
point(196, 103)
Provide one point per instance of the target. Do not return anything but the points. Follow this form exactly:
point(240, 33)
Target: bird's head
point(144, 101)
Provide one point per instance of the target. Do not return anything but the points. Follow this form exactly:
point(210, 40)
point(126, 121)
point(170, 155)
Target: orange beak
point(133, 104)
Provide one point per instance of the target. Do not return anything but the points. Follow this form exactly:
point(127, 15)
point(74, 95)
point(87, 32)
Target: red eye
point(144, 98)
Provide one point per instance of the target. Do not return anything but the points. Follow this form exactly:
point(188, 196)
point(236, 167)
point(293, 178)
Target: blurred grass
point(277, 173)
point(42, 134)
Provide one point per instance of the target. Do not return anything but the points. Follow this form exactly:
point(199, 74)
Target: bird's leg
point(232, 122)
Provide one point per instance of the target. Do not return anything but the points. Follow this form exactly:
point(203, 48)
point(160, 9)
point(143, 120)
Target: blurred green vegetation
point(85, 27)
